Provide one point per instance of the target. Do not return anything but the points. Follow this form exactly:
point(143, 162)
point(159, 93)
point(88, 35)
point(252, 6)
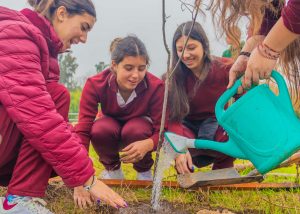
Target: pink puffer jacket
point(28, 60)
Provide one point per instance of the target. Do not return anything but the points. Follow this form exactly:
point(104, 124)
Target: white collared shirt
point(121, 101)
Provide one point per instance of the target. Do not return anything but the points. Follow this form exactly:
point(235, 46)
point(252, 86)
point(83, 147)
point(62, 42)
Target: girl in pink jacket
point(36, 141)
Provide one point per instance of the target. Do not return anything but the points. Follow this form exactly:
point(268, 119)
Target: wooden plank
point(174, 184)
point(215, 178)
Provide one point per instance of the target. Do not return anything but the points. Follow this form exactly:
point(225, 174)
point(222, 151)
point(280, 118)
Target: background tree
point(68, 67)
point(100, 66)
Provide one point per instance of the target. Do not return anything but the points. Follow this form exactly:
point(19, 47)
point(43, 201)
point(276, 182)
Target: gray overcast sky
point(118, 18)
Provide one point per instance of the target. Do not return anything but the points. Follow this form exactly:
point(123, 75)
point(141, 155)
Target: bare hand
point(104, 193)
point(136, 151)
point(258, 67)
point(184, 163)
point(82, 198)
point(237, 69)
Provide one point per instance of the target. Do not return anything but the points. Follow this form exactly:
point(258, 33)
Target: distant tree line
point(68, 67)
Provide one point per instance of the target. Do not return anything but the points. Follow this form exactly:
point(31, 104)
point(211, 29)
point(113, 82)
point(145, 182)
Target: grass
point(60, 200)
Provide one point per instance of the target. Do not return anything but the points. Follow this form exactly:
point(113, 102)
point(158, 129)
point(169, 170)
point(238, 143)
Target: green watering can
point(262, 127)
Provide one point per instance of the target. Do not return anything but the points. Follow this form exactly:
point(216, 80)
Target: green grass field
point(60, 200)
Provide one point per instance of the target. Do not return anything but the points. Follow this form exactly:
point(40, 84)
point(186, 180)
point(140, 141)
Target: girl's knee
point(105, 128)
point(139, 128)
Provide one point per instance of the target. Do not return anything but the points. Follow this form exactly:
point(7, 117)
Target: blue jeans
point(206, 129)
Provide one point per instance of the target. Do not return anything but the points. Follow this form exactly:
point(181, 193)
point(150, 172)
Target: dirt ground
point(139, 207)
point(60, 201)
point(145, 208)
point(166, 208)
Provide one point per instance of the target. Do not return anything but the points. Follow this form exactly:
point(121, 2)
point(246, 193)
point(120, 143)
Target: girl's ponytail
point(42, 6)
point(74, 7)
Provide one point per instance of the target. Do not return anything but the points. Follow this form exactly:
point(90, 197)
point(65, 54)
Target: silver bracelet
point(89, 187)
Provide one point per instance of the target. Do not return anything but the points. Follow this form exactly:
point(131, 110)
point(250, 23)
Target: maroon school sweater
point(291, 16)
point(271, 17)
point(102, 89)
point(202, 104)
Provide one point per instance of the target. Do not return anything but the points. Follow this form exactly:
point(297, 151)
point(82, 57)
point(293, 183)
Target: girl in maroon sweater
point(131, 102)
point(196, 85)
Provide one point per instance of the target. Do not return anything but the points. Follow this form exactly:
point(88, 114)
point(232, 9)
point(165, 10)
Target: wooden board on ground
point(214, 178)
point(174, 184)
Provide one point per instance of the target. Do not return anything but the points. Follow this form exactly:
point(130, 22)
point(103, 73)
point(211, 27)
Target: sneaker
point(145, 176)
point(22, 205)
point(112, 174)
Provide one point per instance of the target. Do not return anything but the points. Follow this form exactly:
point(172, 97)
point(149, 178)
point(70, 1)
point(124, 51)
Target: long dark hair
point(74, 7)
point(179, 99)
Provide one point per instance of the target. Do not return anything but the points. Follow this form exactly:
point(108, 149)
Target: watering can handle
point(283, 91)
point(283, 94)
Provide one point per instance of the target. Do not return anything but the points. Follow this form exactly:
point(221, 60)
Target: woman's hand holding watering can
point(240, 65)
point(258, 67)
point(263, 59)
point(237, 70)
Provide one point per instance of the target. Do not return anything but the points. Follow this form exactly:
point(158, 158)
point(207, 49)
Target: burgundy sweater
point(102, 89)
point(202, 105)
point(290, 15)
point(270, 18)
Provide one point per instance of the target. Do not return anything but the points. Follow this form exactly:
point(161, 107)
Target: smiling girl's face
point(193, 54)
point(72, 29)
point(130, 72)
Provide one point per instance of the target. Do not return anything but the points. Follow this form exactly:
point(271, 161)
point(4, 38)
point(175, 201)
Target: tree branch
point(194, 17)
point(163, 117)
point(168, 76)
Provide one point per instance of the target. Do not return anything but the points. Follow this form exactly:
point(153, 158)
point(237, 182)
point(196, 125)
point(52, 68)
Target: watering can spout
point(181, 144)
point(229, 148)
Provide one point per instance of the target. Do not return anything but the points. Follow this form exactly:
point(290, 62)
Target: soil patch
point(145, 208)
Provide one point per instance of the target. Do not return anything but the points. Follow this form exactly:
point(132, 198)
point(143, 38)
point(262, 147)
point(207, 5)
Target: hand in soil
point(104, 193)
point(82, 198)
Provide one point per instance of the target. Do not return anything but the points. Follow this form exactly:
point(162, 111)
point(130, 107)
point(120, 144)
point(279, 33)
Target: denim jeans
point(206, 129)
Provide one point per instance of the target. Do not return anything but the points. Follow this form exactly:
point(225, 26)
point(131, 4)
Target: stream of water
point(166, 156)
